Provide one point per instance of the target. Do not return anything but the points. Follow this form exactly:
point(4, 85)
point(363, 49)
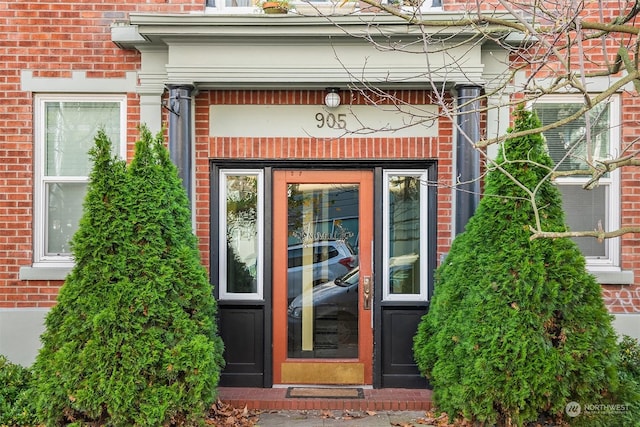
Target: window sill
point(44, 273)
point(613, 277)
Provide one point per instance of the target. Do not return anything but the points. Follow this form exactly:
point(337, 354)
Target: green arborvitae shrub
point(15, 397)
point(517, 328)
point(629, 373)
point(133, 339)
point(630, 358)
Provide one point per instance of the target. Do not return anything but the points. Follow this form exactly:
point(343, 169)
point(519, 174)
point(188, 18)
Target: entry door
point(322, 278)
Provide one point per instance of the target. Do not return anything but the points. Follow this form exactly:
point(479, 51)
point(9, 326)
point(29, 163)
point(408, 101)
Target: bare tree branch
point(598, 234)
point(549, 48)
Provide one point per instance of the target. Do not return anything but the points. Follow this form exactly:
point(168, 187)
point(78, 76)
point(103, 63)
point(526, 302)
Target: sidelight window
point(241, 221)
point(405, 235)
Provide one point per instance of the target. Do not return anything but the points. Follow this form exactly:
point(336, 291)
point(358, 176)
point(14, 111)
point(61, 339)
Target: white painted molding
point(77, 83)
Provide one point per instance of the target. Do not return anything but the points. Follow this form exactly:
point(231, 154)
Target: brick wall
point(57, 38)
point(52, 39)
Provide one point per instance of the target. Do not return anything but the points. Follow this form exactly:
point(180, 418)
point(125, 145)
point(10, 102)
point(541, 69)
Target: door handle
point(367, 285)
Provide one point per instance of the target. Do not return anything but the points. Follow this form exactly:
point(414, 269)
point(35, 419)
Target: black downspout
point(467, 157)
point(180, 133)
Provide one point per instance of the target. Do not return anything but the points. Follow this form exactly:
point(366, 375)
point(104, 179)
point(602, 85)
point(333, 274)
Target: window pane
point(239, 3)
point(584, 210)
point(64, 209)
point(404, 234)
point(242, 233)
point(70, 130)
point(568, 144)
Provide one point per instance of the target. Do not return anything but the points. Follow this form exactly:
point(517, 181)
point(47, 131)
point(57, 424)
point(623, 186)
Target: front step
point(384, 399)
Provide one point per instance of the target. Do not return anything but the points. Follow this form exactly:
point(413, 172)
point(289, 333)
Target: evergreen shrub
point(15, 398)
point(517, 328)
point(630, 358)
point(629, 373)
point(133, 338)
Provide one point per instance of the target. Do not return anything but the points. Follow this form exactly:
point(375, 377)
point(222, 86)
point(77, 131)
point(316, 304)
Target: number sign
point(322, 122)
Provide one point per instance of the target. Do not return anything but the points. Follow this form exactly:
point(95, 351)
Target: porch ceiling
point(259, 51)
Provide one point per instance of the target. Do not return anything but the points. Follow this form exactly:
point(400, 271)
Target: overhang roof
point(214, 51)
point(155, 28)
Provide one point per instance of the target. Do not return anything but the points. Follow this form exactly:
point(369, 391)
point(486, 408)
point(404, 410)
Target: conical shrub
point(133, 339)
point(517, 328)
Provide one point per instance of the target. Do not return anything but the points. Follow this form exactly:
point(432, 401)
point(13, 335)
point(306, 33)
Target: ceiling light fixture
point(332, 98)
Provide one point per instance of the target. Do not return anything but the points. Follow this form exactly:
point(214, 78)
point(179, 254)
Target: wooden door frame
point(360, 370)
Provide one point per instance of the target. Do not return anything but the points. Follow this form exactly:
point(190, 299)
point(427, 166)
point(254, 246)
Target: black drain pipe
point(467, 157)
point(180, 147)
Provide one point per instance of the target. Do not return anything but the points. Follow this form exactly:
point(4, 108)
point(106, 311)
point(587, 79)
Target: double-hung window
point(573, 146)
point(232, 6)
point(65, 129)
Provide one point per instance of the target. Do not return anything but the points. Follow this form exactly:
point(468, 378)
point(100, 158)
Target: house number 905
point(330, 120)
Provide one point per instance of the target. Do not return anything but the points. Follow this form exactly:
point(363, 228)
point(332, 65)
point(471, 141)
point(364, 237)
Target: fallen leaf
point(326, 414)
point(222, 414)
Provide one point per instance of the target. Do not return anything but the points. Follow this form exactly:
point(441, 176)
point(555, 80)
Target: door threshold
point(362, 386)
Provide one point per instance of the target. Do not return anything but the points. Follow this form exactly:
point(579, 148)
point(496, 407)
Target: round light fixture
point(332, 98)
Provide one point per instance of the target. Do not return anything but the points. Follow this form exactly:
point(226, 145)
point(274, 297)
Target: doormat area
point(324, 393)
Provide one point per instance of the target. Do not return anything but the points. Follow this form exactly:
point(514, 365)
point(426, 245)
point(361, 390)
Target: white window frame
point(612, 182)
point(421, 174)
point(221, 8)
point(41, 258)
point(222, 243)
point(426, 6)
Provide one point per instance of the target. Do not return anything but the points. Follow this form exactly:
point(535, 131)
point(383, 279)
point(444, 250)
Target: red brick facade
point(54, 39)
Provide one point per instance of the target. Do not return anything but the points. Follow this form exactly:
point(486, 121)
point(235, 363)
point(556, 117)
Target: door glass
point(243, 229)
point(404, 234)
point(322, 274)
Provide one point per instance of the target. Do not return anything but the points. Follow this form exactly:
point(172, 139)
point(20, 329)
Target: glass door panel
point(322, 278)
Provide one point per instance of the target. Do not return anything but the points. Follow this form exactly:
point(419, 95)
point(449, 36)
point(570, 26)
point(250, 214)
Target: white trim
point(222, 244)
point(612, 261)
point(41, 259)
point(231, 10)
point(77, 83)
point(424, 233)
point(594, 84)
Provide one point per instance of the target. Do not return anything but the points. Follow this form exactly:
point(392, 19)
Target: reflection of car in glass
point(404, 274)
point(335, 318)
point(335, 310)
point(328, 260)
